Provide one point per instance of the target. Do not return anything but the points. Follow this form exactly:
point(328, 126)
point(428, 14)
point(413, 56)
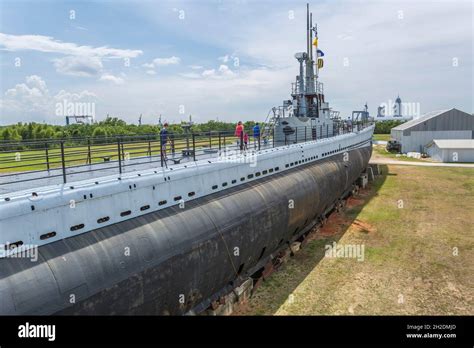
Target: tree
point(10, 134)
point(99, 132)
point(384, 127)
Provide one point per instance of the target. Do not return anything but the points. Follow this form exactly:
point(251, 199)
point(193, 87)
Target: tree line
point(384, 127)
point(110, 127)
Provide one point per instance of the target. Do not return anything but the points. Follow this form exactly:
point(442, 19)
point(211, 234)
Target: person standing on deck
point(238, 132)
point(256, 134)
point(164, 140)
point(246, 141)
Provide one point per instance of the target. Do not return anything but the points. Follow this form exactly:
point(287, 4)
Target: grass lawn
point(384, 137)
point(380, 151)
point(417, 256)
point(36, 159)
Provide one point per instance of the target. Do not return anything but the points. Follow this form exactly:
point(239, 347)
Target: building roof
point(454, 143)
point(420, 119)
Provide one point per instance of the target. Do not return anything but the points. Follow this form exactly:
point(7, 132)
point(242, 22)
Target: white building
point(414, 135)
point(451, 150)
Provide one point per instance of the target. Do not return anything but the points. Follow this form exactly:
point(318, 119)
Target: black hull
point(175, 260)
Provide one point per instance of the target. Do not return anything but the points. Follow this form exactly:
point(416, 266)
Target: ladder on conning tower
point(268, 124)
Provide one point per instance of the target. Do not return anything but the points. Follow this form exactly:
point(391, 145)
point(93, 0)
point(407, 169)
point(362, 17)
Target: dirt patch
point(364, 227)
point(354, 202)
point(332, 226)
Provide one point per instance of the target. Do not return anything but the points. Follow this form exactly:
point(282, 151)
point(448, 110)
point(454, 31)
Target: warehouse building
point(416, 134)
point(451, 150)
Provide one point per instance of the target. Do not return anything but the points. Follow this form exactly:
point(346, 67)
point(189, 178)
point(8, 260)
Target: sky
point(227, 60)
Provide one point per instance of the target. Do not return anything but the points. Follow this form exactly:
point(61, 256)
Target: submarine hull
point(180, 258)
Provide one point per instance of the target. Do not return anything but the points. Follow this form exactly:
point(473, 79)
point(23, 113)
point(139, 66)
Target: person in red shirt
point(238, 131)
point(246, 141)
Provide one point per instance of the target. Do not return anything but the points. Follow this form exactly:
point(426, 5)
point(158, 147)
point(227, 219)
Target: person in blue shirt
point(256, 134)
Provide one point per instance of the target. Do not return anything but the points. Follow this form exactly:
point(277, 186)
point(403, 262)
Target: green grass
point(408, 253)
point(383, 137)
point(380, 150)
point(35, 159)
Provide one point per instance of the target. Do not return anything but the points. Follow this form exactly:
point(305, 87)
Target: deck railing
point(61, 158)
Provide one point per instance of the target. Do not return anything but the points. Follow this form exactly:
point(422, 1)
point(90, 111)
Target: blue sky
point(227, 59)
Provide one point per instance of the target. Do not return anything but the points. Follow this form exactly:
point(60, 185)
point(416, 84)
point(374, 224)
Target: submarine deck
point(85, 172)
point(23, 182)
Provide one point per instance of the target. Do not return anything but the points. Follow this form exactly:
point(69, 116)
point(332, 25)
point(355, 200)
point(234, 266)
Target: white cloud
point(28, 96)
point(392, 54)
point(210, 72)
point(37, 82)
point(190, 75)
point(151, 72)
point(224, 59)
point(72, 97)
point(166, 61)
point(222, 72)
point(78, 66)
point(247, 95)
point(159, 62)
point(83, 61)
point(225, 71)
point(48, 44)
point(111, 78)
point(32, 101)
point(196, 67)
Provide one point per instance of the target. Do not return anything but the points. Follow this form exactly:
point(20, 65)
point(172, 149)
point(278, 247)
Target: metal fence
point(32, 160)
point(43, 159)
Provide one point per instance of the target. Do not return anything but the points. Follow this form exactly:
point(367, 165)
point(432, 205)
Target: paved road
point(422, 164)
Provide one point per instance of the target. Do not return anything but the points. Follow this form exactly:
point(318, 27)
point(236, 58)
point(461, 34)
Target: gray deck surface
point(31, 180)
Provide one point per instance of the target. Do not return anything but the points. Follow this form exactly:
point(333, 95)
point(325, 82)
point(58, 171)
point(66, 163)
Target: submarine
point(173, 239)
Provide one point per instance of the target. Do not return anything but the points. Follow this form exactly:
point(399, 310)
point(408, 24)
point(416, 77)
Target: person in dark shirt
point(164, 139)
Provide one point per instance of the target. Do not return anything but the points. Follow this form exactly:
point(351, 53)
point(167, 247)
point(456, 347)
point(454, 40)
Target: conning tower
point(306, 115)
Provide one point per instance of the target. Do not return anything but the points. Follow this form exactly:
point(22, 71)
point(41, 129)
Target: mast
point(305, 94)
point(309, 91)
point(314, 66)
point(307, 61)
point(311, 37)
point(308, 43)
